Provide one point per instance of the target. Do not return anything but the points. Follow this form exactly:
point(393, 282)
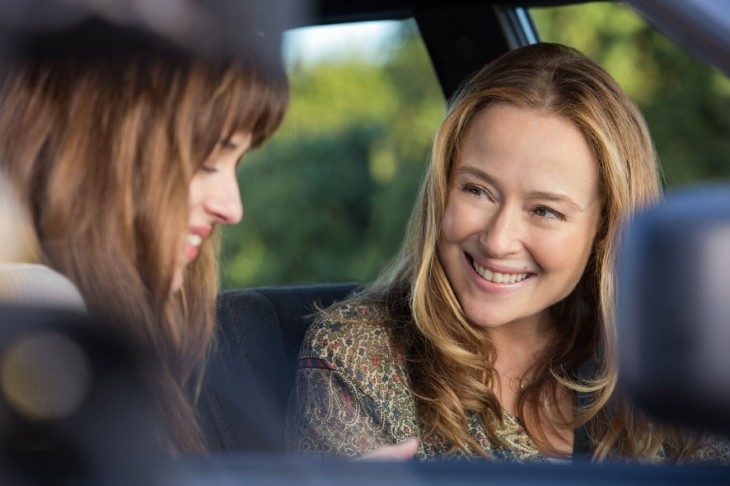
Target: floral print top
point(352, 396)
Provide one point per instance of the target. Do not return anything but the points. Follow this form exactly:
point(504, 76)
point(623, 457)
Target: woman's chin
point(483, 315)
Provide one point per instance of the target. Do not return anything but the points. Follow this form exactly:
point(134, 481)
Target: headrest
point(33, 285)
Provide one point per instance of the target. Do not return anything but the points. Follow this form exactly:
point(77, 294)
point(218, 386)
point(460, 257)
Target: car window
point(327, 199)
point(686, 101)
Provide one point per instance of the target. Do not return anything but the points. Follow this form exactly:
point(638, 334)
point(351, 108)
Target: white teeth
point(496, 277)
point(194, 240)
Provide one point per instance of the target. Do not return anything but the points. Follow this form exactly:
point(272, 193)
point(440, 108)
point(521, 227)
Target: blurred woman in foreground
point(493, 333)
point(127, 168)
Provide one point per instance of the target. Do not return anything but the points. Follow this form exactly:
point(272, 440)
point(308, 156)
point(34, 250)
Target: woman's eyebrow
point(237, 140)
point(556, 197)
point(477, 172)
point(229, 143)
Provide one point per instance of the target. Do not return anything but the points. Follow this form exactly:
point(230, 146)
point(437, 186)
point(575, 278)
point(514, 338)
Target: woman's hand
point(396, 452)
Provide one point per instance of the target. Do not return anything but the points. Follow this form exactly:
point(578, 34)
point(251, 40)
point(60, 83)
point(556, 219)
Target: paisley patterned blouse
point(352, 396)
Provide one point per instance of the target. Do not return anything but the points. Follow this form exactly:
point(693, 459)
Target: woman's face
point(521, 215)
point(214, 198)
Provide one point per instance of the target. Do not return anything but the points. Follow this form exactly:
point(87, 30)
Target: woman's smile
point(492, 281)
point(196, 236)
point(214, 199)
point(521, 214)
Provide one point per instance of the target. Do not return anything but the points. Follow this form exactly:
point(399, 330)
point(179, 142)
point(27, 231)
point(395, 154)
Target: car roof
point(460, 35)
point(337, 11)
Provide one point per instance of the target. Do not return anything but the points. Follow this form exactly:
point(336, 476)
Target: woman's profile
point(492, 333)
point(126, 168)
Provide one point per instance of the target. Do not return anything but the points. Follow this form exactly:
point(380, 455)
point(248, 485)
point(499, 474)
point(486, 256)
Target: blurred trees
point(328, 198)
point(686, 102)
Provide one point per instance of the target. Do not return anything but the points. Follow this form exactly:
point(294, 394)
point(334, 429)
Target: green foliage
point(686, 102)
point(328, 198)
point(294, 205)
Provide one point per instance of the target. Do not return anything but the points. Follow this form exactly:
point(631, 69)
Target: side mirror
point(674, 309)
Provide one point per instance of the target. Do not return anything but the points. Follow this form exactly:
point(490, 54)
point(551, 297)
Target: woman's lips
point(192, 246)
point(501, 276)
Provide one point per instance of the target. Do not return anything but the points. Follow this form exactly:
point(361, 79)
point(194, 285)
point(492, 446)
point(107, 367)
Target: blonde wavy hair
point(451, 360)
point(101, 153)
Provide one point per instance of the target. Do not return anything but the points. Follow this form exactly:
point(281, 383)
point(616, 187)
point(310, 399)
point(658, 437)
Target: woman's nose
point(225, 204)
point(501, 235)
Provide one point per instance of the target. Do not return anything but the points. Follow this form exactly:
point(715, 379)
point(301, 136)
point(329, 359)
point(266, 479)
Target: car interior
point(261, 329)
point(250, 372)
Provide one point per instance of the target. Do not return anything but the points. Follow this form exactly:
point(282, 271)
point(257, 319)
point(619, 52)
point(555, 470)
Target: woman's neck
point(518, 344)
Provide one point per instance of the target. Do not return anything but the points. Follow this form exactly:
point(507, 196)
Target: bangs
point(240, 98)
point(262, 102)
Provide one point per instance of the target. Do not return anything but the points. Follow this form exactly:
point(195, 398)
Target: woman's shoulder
point(348, 330)
point(356, 340)
point(357, 345)
point(712, 448)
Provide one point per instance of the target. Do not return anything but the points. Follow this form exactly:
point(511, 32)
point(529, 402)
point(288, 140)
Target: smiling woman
point(492, 333)
point(521, 216)
point(213, 197)
point(126, 167)
point(519, 225)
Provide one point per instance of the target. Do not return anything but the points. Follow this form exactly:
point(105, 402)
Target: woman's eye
point(476, 191)
point(209, 169)
point(545, 212)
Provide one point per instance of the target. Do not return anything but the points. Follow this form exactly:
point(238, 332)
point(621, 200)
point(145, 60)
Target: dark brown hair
point(102, 154)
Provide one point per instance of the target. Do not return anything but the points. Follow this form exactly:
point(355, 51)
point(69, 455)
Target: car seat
point(250, 373)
